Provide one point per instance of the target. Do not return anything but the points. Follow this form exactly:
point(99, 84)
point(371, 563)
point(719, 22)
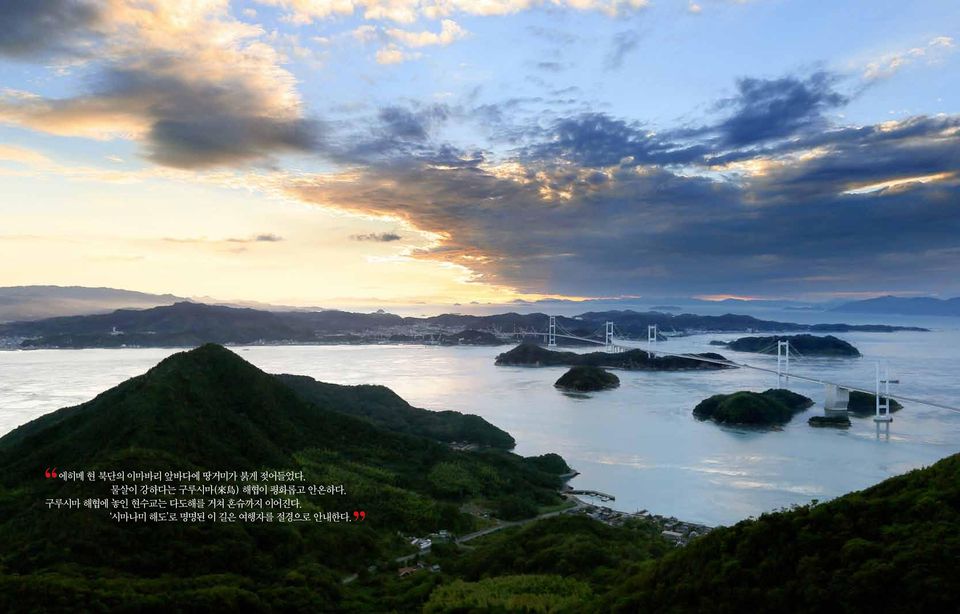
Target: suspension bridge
point(837, 395)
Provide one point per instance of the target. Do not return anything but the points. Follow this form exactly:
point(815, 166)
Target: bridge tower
point(883, 406)
point(783, 362)
point(552, 333)
point(652, 337)
point(608, 336)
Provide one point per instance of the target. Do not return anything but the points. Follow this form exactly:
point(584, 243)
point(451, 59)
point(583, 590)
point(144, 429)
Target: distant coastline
point(188, 324)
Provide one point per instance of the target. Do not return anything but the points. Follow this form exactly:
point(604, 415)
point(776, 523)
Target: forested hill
point(187, 324)
point(890, 548)
point(385, 408)
point(207, 409)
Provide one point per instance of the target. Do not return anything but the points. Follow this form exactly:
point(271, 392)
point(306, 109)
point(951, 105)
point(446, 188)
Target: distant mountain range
point(899, 305)
point(37, 302)
point(187, 324)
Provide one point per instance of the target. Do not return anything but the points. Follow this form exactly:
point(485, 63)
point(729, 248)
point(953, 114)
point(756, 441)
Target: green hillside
point(890, 548)
point(385, 408)
point(209, 409)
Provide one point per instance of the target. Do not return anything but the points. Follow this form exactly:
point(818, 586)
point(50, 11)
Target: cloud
point(766, 109)
point(550, 66)
point(22, 155)
point(623, 44)
point(450, 31)
point(886, 66)
point(395, 132)
point(596, 205)
point(599, 140)
point(392, 54)
point(266, 237)
point(411, 11)
point(196, 87)
point(381, 237)
point(46, 27)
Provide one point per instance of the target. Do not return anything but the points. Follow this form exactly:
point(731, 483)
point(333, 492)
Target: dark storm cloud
point(380, 237)
point(195, 103)
point(213, 141)
point(401, 123)
point(30, 28)
point(653, 231)
point(598, 205)
point(623, 44)
point(596, 139)
point(197, 123)
point(191, 121)
point(766, 109)
point(397, 132)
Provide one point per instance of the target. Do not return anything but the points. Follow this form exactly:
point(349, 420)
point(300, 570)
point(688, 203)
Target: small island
point(533, 355)
point(587, 378)
point(864, 403)
point(772, 407)
point(811, 345)
point(835, 421)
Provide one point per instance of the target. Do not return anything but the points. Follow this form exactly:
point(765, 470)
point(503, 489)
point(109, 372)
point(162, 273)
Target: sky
point(401, 152)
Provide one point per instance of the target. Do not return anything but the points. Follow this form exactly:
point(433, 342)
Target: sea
point(639, 442)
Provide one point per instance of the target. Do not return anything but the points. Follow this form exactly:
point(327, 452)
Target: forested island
point(863, 403)
point(587, 378)
point(771, 407)
point(808, 345)
point(533, 355)
point(835, 421)
point(207, 409)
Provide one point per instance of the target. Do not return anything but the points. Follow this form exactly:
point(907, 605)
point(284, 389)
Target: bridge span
point(615, 343)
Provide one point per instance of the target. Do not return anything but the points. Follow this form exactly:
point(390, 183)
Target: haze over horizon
point(403, 152)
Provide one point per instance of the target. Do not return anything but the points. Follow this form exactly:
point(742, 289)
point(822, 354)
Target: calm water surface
point(639, 442)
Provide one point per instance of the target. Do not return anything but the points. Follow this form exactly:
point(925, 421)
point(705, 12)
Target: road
point(499, 527)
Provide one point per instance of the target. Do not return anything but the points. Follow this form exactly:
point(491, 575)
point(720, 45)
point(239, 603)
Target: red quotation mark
point(50, 474)
point(359, 515)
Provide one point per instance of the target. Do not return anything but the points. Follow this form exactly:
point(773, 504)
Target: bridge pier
point(836, 399)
